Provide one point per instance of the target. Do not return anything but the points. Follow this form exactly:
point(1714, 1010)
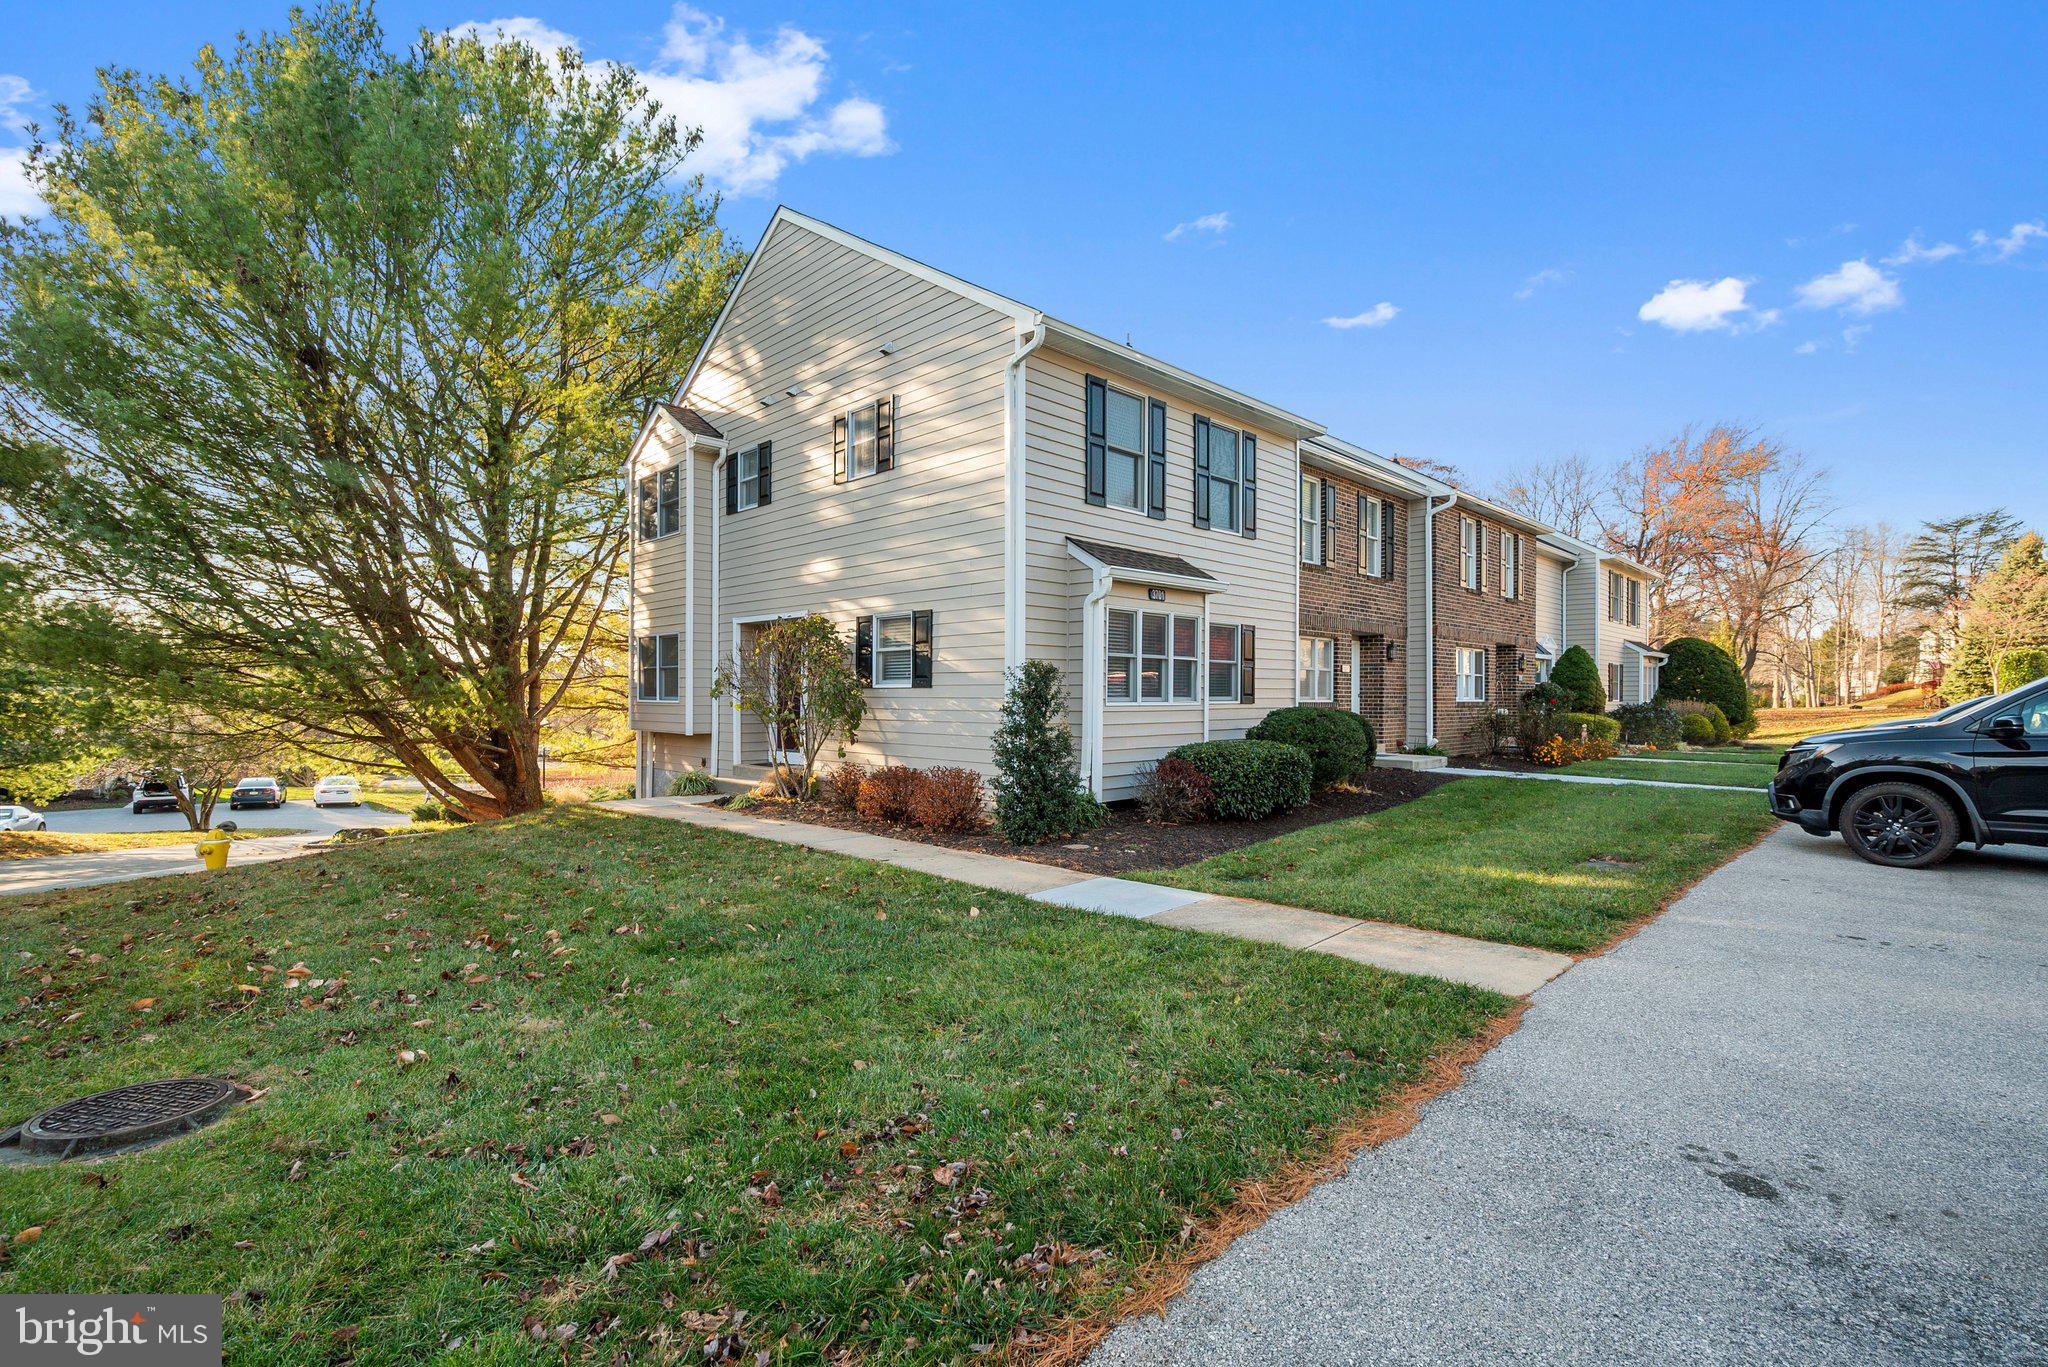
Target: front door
point(2012, 773)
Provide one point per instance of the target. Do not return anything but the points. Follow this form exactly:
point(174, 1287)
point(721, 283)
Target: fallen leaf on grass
point(142, 1005)
point(520, 1179)
point(28, 1236)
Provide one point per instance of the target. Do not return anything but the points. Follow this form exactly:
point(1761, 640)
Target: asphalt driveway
point(1801, 1118)
point(299, 815)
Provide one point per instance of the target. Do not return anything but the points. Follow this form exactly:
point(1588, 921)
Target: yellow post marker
point(214, 849)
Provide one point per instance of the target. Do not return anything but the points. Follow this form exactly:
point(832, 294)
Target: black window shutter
point(1329, 521)
point(1247, 662)
point(839, 449)
point(1097, 473)
point(864, 649)
point(1387, 538)
point(1155, 467)
point(767, 494)
point(732, 483)
point(920, 650)
point(1248, 455)
point(1201, 472)
point(885, 434)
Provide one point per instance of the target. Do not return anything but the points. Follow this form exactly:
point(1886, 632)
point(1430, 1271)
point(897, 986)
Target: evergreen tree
point(1701, 670)
point(1577, 674)
point(1038, 788)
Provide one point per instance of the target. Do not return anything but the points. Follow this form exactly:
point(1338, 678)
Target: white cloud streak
point(1215, 225)
point(760, 105)
point(1705, 306)
point(1378, 316)
point(18, 198)
point(2003, 248)
point(1914, 252)
point(1857, 286)
point(1543, 279)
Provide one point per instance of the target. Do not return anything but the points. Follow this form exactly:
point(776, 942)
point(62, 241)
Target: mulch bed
point(1129, 842)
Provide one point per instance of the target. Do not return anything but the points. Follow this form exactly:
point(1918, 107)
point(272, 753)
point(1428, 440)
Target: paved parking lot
point(298, 815)
point(1801, 1118)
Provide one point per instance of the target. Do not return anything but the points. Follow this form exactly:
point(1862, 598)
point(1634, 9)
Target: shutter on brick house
point(1387, 537)
point(1328, 513)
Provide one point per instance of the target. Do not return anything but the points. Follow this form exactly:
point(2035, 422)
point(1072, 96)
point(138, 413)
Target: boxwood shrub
point(1251, 778)
point(1339, 744)
point(1599, 726)
point(1645, 723)
point(1698, 730)
point(1694, 668)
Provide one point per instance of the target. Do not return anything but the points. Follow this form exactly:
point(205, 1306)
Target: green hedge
point(1702, 670)
point(1576, 673)
point(1598, 725)
point(1645, 723)
point(1251, 778)
point(2016, 667)
point(1698, 730)
point(1340, 745)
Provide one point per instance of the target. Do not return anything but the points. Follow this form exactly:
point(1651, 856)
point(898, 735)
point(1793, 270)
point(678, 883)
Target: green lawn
point(1500, 859)
point(1738, 774)
point(662, 1076)
point(1766, 755)
point(35, 844)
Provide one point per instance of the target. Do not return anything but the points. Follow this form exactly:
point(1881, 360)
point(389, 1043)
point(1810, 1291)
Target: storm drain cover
point(126, 1116)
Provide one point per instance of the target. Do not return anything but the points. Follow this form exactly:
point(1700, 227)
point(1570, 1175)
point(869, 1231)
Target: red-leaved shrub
point(886, 793)
point(842, 784)
point(1176, 791)
point(947, 800)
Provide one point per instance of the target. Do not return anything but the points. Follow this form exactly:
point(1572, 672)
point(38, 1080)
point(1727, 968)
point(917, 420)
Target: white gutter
point(1430, 509)
point(1093, 682)
point(1016, 490)
point(717, 521)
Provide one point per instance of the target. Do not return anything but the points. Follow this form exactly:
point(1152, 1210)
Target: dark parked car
point(1906, 793)
point(256, 792)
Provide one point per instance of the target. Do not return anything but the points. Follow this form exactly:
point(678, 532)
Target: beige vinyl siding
point(668, 754)
point(926, 535)
point(1259, 571)
point(1548, 570)
point(659, 577)
point(1583, 593)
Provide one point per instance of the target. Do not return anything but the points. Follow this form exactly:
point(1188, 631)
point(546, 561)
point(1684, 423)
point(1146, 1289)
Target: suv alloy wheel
point(1900, 825)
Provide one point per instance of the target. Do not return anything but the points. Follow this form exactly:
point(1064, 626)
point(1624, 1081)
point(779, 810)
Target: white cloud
point(18, 198)
point(2003, 247)
point(1858, 286)
point(759, 106)
point(1853, 335)
point(1379, 315)
point(1806, 348)
point(1549, 275)
point(1913, 252)
point(1704, 306)
point(1216, 223)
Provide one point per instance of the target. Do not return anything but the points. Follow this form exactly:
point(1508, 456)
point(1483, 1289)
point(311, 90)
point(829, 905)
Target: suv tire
point(1900, 825)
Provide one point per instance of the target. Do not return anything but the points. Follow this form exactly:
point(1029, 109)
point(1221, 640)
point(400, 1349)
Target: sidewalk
point(49, 873)
point(1508, 969)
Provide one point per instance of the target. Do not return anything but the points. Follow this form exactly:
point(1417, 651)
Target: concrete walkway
point(1509, 969)
point(50, 873)
point(1800, 1118)
point(1590, 778)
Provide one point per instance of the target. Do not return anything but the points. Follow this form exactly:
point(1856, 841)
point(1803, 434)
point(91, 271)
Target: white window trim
point(1472, 554)
point(1510, 564)
point(1308, 647)
point(1311, 519)
point(1236, 663)
point(640, 693)
point(908, 651)
point(1138, 657)
point(740, 501)
point(1372, 537)
point(853, 471)
point(1236, 526)
point(1476, 656)
point(1140, 484)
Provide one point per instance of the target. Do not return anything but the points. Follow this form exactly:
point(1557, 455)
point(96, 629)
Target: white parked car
point(337, 790)
point(155, 795)
point(20, 819)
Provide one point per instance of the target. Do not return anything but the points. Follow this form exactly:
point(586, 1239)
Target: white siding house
point(1605, 602)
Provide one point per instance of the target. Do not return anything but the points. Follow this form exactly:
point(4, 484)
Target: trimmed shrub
point(1720, 731)
point(691, 783)
point(1598, 725)
point(1646, 723)
point(1038, 788)
point(1702, 670)
point(842, 784)
point(429, 810)
point(1577, 675)
point(2016, 667)
point(947, 799)
point(1339, 744)
point(1697, 729)
point(887, 793)
point(1251, 778)
point(1550, 695)
point(1176, 792)
point(1724, 730)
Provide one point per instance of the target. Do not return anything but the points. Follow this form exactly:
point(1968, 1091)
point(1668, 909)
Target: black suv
point(1906, 793)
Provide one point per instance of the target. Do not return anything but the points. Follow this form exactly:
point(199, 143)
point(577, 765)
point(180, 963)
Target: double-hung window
point(1312, 548)
point(1124, 434)
point(1225, 476)
point(1635, 603)
point(661, 667)
point(1510, 564)
point(1375, 524)
point(1472, 551)
point(894, 650)
point(1318, 681)
point(864, 440)
point(749, 465)
point(1152, 656)
point(1223, 663)
point(661, 503)
point(1471, 674)
point(1613, 682)
point(1615, 593)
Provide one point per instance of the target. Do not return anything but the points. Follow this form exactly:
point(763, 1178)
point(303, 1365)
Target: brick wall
point(1503, 627)
point(1341, 601)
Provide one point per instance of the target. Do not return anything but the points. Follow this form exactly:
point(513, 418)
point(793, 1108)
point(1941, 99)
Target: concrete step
point(1413, 763)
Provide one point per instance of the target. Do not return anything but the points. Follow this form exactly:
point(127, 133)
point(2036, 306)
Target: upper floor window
point(1510, 564)
point(1375, 536)
point(661, 503)
point(1472, 554)
point(1126, 450)
point(864, 441)
point(1226, 478)
point(1124, 435)
point(1151, 656)
point(748, 478)
point(1635, 602)
point(1313, 527)
point(1318, 681)
point(661, 667)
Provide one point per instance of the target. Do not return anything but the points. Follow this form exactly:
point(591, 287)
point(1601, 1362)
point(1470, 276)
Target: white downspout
point(1430, 509)
point(1015, 491)
point(689, 473)
point(1093, 682)
point(717, 521)
point(1564, 607)
point(640, 783)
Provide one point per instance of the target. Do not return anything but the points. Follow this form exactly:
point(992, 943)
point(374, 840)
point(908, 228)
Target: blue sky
point(1500, 203)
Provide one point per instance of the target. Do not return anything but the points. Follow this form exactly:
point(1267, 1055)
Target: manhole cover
point(125, 1116)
